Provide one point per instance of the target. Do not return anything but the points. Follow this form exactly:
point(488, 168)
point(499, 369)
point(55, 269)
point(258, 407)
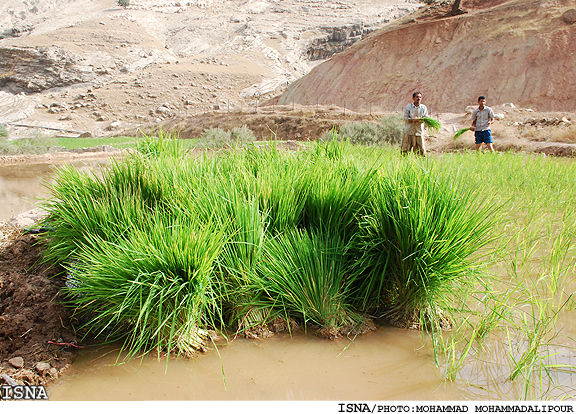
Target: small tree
point(124, 3)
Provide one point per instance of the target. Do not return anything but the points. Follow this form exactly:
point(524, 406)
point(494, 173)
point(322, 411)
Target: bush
point(388, 130)
point(3, 132)
point(124, 3)
point(242, 135)
point(220, 138)
point(39, 145)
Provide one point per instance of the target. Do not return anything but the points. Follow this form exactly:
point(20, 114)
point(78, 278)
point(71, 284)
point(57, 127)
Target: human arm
point(407, 114)
point(491, 117)
point(473, 126)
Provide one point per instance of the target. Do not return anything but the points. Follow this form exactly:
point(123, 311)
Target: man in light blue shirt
point(413, 139)
point(482, 118)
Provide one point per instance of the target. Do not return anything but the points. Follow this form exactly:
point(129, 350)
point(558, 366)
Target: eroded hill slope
point(520, 51)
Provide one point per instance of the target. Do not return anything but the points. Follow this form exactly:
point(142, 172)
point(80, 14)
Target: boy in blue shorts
point(482, 118)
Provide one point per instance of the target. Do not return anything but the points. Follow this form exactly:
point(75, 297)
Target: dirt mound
point(34, 324)
point(300, 124)
point(512, 51)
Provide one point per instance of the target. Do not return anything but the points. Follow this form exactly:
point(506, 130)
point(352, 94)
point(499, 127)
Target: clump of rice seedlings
point(304, 273)
point(460, 132)
point(155, 287)
point(320, 236)
point(240, 296)
point(417, 242)
point(162, 143)
point(431, 123)
point(329, 146)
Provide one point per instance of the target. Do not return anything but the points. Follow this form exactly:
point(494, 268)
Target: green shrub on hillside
point(3, 132)
point(220, 138)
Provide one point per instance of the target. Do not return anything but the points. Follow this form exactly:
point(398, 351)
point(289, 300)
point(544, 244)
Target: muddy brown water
point(22, 184)
point(388, 364)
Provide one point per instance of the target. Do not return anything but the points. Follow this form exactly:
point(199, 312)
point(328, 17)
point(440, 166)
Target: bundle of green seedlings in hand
point(459, 133)
point(431, 123)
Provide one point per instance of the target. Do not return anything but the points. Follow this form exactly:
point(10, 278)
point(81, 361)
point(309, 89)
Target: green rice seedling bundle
point(163, 248)
point(161, 143)
point(460, 132)
point(305, 273)
point(155, 287)
point(432, 123)
point(418, 239)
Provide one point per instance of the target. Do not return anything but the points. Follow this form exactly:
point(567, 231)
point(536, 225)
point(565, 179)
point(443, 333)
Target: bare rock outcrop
point(338, 40)
point(27, 69)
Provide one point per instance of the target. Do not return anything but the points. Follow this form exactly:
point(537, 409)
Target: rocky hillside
point(85, 65)
point(519, 51)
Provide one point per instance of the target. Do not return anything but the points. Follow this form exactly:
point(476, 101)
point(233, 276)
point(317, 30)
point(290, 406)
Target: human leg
point(407, 143)
point(419, 145)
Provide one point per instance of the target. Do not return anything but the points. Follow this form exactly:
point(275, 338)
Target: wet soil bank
point(37, 340)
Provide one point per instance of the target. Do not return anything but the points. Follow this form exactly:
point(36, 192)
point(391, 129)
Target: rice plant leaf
point(459, 133)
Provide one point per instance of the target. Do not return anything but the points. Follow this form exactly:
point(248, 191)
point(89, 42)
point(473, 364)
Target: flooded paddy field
point(387, 364)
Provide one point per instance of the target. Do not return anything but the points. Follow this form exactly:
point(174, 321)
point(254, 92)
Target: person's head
point(417, 98)
point(481, 100)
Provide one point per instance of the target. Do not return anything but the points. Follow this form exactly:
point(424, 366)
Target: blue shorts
point(483, 136)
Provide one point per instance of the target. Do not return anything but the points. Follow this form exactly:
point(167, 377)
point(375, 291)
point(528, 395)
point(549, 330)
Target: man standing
point(482, 118)
point(413, 127)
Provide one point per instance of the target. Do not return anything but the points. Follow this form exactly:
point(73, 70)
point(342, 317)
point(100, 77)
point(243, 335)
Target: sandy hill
point(520, 51)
